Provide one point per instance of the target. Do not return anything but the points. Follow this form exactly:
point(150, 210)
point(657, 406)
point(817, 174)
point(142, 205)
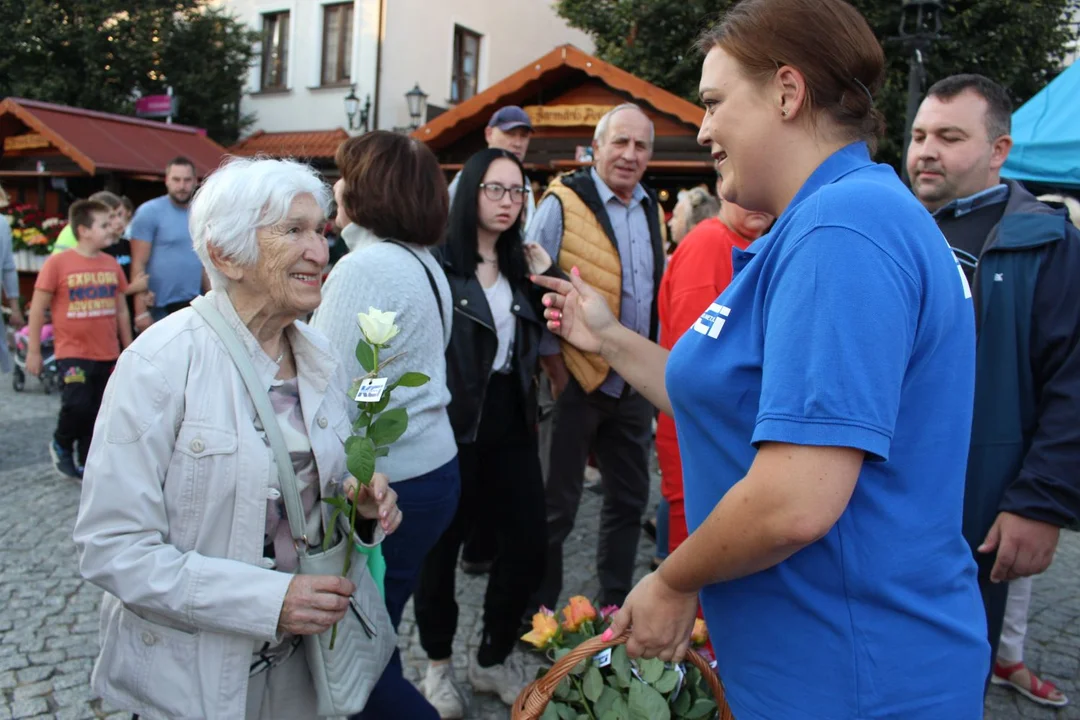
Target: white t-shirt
point(499, 298)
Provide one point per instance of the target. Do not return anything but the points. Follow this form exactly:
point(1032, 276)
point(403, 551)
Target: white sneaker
point(506, 680)
point(439, 689)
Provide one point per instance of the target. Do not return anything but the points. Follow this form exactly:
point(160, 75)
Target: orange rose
point(700, 635)
point(544, 628)
point(577, 612)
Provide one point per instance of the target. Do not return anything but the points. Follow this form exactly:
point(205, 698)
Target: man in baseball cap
point(508, 129)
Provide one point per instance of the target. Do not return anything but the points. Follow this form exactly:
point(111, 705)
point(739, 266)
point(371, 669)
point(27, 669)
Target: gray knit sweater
point(389, 278)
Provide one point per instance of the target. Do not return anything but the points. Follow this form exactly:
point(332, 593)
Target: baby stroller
point(50, 375)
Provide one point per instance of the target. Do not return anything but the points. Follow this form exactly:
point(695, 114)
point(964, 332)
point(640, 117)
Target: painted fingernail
point(554, 323)
point(547, 301)
point(608, 634)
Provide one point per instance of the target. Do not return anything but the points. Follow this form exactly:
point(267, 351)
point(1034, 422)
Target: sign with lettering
point(566, 115)
point(151, 106)
point(28, 141)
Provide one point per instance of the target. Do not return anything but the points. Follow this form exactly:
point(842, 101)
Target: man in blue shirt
point(161, 247)
point(605, 222)
point(1022, 259)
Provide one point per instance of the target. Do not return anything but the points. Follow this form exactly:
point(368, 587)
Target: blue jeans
point(428, 504)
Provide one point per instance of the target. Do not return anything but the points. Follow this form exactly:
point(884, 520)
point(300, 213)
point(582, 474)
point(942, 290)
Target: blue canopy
point(1046, 134)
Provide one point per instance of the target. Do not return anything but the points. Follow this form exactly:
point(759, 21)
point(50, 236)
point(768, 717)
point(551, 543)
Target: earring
point(783, 113)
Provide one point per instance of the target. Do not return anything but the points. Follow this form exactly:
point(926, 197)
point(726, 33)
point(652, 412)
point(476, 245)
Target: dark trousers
point(502, 490)
point(83, 386)
point(428, 504)
point(618, 431)
point(164, 311)
point(994, 597)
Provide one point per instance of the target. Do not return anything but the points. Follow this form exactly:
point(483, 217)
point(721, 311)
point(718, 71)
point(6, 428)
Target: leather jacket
point(474, 342)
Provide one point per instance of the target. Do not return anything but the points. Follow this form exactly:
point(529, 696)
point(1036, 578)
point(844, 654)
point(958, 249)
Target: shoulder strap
point(430, 277)
point(293, 506)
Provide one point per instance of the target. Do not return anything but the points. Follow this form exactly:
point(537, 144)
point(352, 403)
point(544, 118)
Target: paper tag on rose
point(371, 390)
point(602, 658)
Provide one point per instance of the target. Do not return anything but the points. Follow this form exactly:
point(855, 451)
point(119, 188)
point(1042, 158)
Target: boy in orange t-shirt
point(84, 289)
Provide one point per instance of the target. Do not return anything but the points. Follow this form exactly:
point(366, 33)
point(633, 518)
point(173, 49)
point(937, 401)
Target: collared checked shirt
point(631, 226)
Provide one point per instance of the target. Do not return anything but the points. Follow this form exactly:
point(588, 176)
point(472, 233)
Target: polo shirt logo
point(712, 320)
point(999, 277)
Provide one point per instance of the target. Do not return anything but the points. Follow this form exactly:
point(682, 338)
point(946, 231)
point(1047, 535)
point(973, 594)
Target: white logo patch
point(712, 320)
point(999, 277)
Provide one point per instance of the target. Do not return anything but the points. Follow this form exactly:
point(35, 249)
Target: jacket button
point(516, 308)
point(464, 301)
point(148, 638)
point(197, 445)
point(268, 563)
point(322, 422)
point(274, 494)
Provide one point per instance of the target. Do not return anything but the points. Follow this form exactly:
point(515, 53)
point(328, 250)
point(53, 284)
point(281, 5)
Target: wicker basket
point(533, 700)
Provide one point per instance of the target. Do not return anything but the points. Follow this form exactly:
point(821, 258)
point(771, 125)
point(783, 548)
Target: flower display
point(611, 684)
point(32, 228)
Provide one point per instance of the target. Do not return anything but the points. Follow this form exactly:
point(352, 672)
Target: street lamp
point(352, 109)
point(417, 100)
point(920, 26)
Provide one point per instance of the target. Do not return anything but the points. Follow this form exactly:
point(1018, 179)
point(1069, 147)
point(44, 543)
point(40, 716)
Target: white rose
point(378, 326)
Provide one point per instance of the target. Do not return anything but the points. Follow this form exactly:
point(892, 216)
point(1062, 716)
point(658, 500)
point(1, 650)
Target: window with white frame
point(466, 72)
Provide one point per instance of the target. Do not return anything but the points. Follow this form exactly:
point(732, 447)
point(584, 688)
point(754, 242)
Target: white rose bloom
point(378, 326)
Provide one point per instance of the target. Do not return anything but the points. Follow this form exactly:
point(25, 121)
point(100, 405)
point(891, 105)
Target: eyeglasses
point(494, 192)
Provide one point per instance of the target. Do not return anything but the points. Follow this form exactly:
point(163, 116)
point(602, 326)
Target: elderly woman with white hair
point(183, 521)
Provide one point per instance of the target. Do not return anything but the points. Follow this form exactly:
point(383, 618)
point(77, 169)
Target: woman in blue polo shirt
point(823, 402)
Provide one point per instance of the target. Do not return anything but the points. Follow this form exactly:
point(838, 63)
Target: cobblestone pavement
point(48, 615)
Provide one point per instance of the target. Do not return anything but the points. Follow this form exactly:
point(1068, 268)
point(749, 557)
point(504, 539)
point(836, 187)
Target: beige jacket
point(174, 510)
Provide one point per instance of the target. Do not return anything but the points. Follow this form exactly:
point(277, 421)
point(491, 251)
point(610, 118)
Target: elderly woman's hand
point(377, 501)
point(313, 603)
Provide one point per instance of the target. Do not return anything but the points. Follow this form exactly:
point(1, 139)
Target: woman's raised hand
point(576, 312)
point(377, 501)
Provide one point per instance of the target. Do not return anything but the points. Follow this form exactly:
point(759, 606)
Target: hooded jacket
point(1025, 439)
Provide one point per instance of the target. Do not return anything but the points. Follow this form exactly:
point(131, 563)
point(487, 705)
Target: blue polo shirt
point(850, 324)
point(175, 270)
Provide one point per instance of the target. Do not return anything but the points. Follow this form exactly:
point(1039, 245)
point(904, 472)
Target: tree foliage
point(104, 54)
point(1019, 44)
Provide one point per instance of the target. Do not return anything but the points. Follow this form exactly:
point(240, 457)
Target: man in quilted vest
point(604, 222)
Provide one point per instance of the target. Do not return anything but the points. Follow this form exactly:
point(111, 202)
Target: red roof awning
point(311, 145)
point(100, 142)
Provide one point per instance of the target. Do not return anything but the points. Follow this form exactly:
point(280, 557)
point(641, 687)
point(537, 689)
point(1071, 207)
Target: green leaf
point(701, 708)
point(621, 707)
point(566, 712)
point(651, 670)
point(377, 407)
point(411, 379)
point(647, 704)
point(382, 452)
point(620, 663)
point(593, 685)
point(365, 355)
point(329, 536)
point(610, 715)
point(360, 458)
point(667, 682)
point(339, 502)
point(682, 704)
point(562, 690)
point(389, 426)
point(606, 701)
point(551, 712)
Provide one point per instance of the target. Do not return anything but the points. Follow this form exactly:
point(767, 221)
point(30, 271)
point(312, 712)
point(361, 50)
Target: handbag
point(345, 676)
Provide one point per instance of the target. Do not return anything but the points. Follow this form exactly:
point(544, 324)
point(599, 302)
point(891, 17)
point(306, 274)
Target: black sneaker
point(64, 461)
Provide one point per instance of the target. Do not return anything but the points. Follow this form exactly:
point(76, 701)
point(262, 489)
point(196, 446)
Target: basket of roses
point(591, 679)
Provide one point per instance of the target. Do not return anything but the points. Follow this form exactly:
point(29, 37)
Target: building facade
point(314, 52)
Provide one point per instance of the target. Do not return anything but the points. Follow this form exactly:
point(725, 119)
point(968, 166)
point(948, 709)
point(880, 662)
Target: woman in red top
point(697, 273)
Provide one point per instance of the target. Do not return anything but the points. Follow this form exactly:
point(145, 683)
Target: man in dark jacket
point(1022, 261)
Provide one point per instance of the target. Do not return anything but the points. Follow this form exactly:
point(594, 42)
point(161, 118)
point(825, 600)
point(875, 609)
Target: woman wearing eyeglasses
point(490, 368)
